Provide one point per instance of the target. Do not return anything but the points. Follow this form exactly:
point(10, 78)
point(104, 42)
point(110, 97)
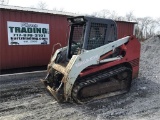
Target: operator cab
point(88, 33)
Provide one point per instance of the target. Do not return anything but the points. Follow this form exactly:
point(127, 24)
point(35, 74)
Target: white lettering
point(29, 25)
point(86, 61)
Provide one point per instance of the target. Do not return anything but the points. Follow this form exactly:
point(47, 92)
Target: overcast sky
point(140, 8)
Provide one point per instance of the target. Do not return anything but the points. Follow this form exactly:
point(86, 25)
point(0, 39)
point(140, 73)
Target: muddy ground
point(26, 99)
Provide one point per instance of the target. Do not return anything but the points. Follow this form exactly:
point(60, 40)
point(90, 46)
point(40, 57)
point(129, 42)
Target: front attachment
point(58, 95)
point(54, 84)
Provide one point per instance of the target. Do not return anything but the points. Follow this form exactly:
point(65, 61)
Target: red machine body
point(130, 59)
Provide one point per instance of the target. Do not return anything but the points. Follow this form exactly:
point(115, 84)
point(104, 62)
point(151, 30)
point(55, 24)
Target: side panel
point(0, 40)
point(16, 56)
point(124, 28)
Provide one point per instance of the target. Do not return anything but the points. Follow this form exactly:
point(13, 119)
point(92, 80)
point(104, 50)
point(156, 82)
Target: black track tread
point(93, 79)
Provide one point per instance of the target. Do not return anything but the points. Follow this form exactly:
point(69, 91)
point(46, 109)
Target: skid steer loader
point(95, 64)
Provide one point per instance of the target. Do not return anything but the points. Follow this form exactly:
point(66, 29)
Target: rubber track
point(93, 79)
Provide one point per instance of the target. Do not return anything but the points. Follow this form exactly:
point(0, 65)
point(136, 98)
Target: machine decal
point(86, 61)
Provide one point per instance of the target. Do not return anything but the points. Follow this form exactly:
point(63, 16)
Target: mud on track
point(26, 99)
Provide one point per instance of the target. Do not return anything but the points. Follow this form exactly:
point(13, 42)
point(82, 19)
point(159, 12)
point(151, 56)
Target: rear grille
point(134, 62)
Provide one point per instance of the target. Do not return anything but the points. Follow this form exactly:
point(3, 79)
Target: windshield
point(76, 39)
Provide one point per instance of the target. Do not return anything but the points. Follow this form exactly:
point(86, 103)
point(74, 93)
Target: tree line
point(145, 28)
point(4, 2)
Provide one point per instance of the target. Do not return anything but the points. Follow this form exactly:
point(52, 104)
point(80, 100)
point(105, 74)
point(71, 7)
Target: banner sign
point(24, 33)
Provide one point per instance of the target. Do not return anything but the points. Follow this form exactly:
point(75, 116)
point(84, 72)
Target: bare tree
point(158, 33)
point(146, 27)
point(137, 31)
point(152, 28)
point(158, 21)
point(42, 5)
point(129, 16)
point(120, 18)
point(107, 14)
point(147, 22)
point(140, 28)
point(4, 2)
point(113, 15)
point(102, 14)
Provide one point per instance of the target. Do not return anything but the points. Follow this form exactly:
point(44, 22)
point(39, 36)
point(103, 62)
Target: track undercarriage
point(102, 84)
point(106, 83)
